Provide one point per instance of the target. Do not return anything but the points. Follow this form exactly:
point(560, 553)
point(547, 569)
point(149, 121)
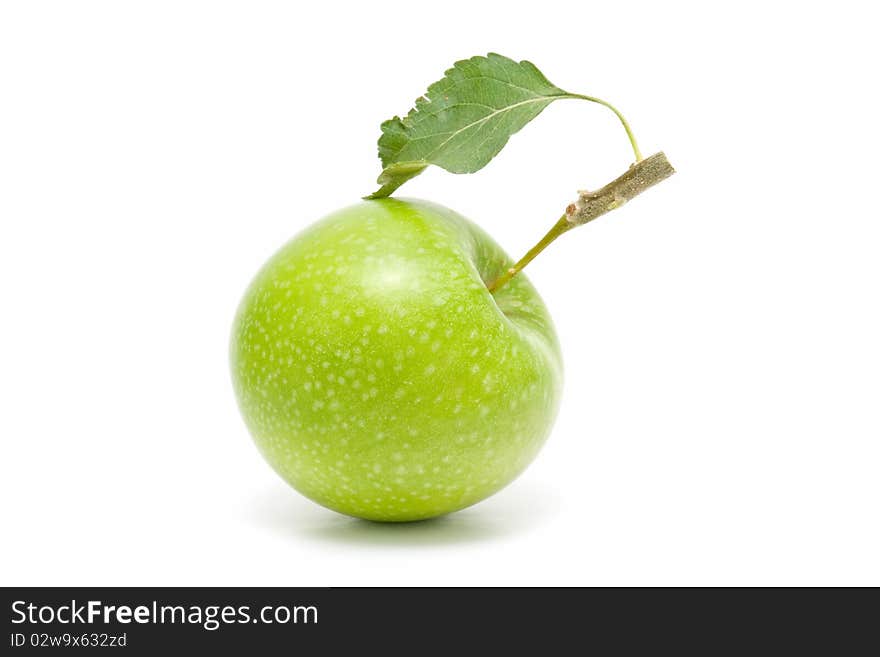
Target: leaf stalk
point(621, 117)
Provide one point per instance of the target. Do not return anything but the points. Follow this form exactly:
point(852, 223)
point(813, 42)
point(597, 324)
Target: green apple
point(379, 376)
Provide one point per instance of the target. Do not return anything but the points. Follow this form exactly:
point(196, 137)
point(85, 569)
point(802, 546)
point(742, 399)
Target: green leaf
point(464, 119)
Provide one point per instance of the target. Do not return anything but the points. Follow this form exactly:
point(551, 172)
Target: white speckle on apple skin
point(377, 374)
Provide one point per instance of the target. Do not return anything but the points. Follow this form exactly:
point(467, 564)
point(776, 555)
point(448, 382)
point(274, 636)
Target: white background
point(720, 423)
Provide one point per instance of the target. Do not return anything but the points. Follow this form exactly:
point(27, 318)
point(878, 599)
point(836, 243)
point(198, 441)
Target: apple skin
point(378, 375)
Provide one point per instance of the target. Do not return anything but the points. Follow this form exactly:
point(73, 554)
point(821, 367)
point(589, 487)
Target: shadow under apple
point(518, 509)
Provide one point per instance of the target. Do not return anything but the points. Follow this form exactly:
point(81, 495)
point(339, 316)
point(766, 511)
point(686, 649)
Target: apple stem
point(559, 227)
point(590, 205)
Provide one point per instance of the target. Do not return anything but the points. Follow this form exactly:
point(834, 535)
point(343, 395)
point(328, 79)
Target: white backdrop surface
point(720, 421)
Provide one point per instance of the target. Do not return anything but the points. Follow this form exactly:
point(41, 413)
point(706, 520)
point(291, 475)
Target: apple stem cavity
point(640, 176)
